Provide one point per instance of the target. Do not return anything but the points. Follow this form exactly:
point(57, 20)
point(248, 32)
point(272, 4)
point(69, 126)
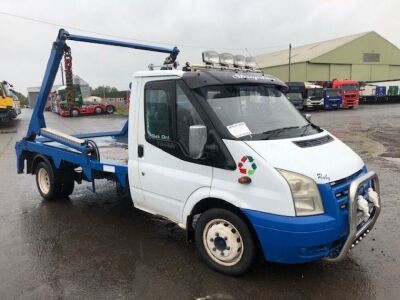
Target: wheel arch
point(36, 159)
point(212, 202)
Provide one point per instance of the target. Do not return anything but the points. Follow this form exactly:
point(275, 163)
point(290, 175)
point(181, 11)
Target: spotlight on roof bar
point(239, 61)
point(210, 57)
point(226, 59)
point(250, 62)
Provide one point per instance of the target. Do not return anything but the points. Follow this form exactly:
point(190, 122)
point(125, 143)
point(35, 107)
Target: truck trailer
point(219, 150)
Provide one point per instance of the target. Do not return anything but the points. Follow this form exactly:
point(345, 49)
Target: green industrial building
point(364, 57)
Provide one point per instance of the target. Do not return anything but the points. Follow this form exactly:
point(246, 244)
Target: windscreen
point(255, 111)
point(315, 92)
point(333, 92)
point(7, 90)
point(349, 87)
point(296, 96)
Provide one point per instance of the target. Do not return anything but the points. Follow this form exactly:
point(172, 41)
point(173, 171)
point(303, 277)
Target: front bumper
point(292, 240)
point(302, 239)
point(314, 104)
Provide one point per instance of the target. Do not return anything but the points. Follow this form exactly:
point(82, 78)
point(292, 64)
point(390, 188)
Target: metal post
point(290, 59)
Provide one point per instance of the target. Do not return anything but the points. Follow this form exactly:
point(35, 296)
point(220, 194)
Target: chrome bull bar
point(357, 234)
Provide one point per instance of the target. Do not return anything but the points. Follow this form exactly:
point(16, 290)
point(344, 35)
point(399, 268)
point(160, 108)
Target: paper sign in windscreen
point(239, 129)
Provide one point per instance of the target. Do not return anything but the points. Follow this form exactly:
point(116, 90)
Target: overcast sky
point(225, 26)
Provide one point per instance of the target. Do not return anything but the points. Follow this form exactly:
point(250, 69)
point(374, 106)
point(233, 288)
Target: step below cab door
point(168, 176)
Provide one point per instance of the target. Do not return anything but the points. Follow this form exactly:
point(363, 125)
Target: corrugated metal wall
point(370, 57)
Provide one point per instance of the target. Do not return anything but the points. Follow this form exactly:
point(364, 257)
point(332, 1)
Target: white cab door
point(168, 176)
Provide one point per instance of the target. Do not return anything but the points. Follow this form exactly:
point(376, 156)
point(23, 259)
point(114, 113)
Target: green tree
point(102, 90)
point(22, 98)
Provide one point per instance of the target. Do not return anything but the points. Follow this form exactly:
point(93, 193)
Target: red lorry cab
point(350, 92)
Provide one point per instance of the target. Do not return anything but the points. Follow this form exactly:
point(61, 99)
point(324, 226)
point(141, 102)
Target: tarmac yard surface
point(94, 246)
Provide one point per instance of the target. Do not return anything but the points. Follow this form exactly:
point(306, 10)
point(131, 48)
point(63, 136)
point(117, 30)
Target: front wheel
point(224, 241)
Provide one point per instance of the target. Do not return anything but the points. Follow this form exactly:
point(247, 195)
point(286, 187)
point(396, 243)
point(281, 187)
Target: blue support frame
point(32, 144)
point(37, 121)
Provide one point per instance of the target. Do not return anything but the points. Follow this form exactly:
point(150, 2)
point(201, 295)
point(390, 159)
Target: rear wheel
point(66, 183)
point(110, 109)
point(224, 241)
point(45, 181)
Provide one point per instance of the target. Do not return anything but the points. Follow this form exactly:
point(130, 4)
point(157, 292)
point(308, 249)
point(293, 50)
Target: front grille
point(340, 188)
point(314, 142)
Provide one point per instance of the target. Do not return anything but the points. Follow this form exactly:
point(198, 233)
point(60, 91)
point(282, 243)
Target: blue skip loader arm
point(37, 121)
point(37, 126)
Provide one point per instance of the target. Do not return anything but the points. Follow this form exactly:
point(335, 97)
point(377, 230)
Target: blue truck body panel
point(332, 101)
point(285, 239)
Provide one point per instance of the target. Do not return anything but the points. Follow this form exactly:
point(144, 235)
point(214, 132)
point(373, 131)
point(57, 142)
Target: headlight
point(305, 193)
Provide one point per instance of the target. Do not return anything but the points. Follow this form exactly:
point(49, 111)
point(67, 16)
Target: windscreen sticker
point(239, 129)
point(247, 165)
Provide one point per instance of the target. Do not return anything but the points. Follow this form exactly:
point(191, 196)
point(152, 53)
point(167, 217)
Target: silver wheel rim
point(98, 110)
point(110, 109)
point(223, 242)
point(74, 113)
point(44, 181)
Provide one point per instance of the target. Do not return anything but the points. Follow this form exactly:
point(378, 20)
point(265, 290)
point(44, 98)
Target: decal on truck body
point(247, 165)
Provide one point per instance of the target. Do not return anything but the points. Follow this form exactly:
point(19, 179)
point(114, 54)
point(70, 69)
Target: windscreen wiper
point(274, 132)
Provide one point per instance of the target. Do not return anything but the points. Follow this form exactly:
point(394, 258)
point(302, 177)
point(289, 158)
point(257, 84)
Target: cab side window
point(169, 113)
point(158, 114)
point(186, 116)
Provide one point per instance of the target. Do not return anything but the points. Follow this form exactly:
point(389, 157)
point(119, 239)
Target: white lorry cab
point(221, 151)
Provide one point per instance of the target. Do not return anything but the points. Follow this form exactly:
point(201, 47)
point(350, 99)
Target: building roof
point(306, 52)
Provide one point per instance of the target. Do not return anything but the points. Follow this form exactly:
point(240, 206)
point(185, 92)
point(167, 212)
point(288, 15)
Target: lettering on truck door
point(167, 174)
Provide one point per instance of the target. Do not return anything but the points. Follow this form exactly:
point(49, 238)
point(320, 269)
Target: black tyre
point(45, 181)
point(110, 109)
point(66, 184)
point(224, 241)
point(74, 112)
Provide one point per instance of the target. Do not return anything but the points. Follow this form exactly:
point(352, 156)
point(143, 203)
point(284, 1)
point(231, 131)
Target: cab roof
point(201, 78)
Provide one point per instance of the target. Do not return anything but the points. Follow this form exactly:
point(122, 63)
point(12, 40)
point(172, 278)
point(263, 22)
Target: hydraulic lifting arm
point(59, 46)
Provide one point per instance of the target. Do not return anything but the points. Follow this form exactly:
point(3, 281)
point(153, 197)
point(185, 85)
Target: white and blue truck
point(219, 150)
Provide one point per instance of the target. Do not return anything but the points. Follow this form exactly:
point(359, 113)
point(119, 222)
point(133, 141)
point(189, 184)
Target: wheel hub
point(44, 181)
point(223, 242)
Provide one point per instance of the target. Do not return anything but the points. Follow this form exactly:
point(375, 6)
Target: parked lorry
point(10, 106)
point(80, 107)
point(312, 94)
point(332, 98)
point(220, 151)
point(296, 99)
point(350, 92)
point(380, 92)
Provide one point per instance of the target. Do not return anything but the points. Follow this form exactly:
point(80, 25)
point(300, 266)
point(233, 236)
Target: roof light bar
point(250, 62)
point(210, 57)
point(226, 59)
point(239, 61)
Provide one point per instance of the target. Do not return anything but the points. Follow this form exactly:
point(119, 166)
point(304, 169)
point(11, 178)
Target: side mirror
point(197, 140)
point(308, 117)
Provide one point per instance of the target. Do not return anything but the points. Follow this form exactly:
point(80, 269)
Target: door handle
point(140, 150)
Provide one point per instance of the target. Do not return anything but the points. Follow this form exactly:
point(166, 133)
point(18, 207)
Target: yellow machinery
point(9, 102)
